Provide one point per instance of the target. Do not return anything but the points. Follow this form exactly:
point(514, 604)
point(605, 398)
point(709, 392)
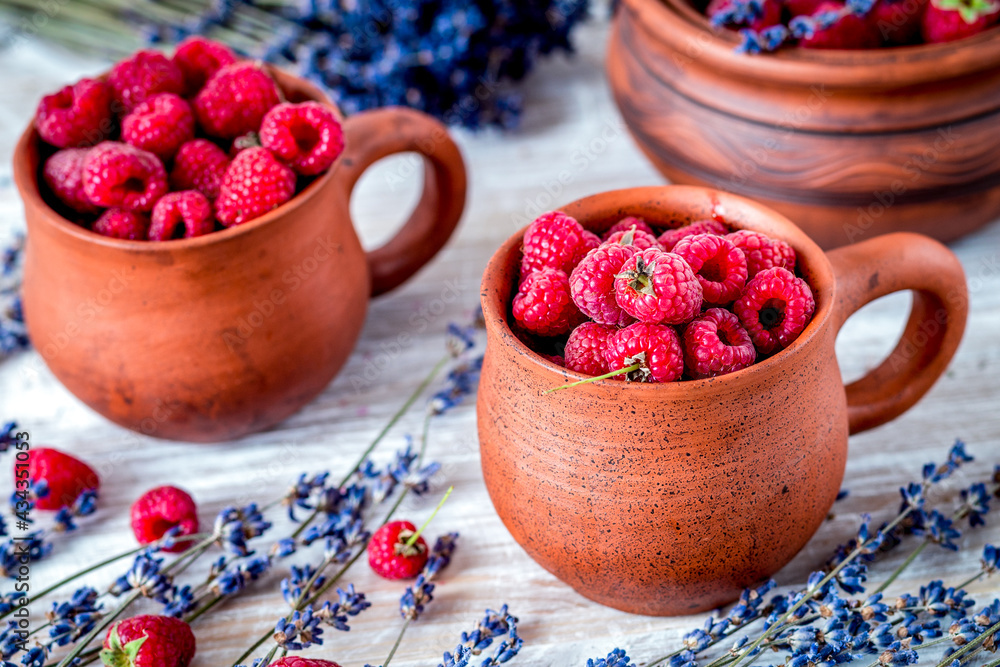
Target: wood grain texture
point(807, 138)
point(571, 128)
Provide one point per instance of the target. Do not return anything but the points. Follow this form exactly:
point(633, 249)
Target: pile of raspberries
point(169, 148)
point(692, 302)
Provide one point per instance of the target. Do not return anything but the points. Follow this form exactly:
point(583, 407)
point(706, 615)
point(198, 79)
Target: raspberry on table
point(543, 304)
point(774, 309)
point(181, 215)
point(586, 347)
point(557, 241)
point(656, 347)
point(159, 125)
point(77, 115)
point(63, 172)
point(136, 79)
point(199, 165)
point(626, 224)
point(670, 237)
point(592, 283)
point(720, 266)
point(307, 136)
point(715, 344)
point(168, 642)
point(161, 509)
point(638, 238)
point(119, 175)
point(65, 476)
point(254, 184)
point(198, 59)
point(762, 251)
point(389, 556)
point(658, 288)
point(234, 101)
point(119, 223)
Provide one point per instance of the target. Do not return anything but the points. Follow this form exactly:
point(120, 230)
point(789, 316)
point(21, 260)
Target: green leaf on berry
point(970, 10)
point(117, 655)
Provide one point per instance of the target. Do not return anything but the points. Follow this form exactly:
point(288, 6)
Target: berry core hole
point(134, 185)
point(713, 270)
point(306, 138)
point(772, 313)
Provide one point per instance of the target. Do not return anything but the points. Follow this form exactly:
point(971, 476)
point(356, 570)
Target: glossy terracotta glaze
point(211, 338)
point(670, 499)
point(847, 144)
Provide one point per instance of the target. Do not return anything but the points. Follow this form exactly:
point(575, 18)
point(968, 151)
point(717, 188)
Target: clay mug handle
point(373, 135)
point(892, 263)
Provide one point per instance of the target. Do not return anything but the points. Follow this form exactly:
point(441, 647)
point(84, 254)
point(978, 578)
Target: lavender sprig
point(495, 624)
point(13, 333)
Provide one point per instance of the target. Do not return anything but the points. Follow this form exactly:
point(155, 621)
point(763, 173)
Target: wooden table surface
point(570, 124)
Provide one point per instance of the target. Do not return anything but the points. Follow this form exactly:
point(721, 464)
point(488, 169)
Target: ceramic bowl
point(214, 337)
point(669, 499)
point(847, 144)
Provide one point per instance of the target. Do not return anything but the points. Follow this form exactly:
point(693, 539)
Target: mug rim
point(27, 181)
point(495, 313)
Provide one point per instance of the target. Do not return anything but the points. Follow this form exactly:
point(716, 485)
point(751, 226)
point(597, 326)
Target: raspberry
point(159, 125)
point(64, 174)
point(116, 174)
point(585, 348)
point(199, 165)
point(160, 509)
point(307, 136)
point(168, 642)
point(254, 184)
point(77, 115)
point(715, 344)
point(720, 266)
point(543, 304)
point(390, 557)
point(235, 99)
point(119, 223)
point(198, 59)
point(181, 215)
point(658, 287)
point(655, 346)
point(762, 251)
point(555, 240)
point(136, 79)
point(626, 224)
point(637, 238)
point(775, 308)
point(669, 238)
point(65, 476)
point(592, 283)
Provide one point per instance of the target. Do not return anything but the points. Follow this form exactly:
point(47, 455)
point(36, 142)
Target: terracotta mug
point(669, 499)
point(214, 337)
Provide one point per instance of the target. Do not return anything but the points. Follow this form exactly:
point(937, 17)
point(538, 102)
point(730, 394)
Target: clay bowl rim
point(819, 275)
point(676, 22)
point(29, 188)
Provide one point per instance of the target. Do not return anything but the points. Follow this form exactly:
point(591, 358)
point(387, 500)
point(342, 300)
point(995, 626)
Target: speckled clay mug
point(669, 499)
point(210, 338)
